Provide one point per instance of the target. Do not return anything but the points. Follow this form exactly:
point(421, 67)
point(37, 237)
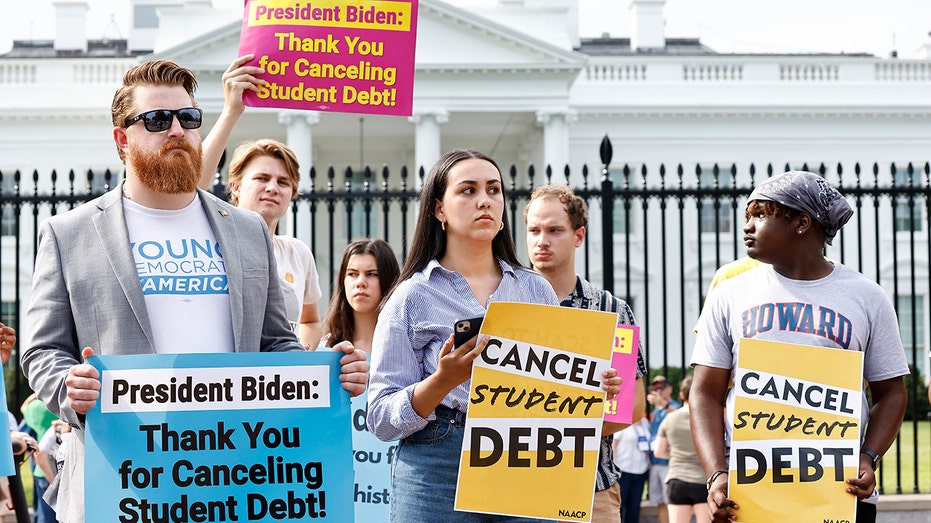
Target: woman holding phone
point(462, 258)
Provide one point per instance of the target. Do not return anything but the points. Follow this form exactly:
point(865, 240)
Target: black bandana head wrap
point(809, 193)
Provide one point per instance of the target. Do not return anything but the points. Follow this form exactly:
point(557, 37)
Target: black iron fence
point(656, 235)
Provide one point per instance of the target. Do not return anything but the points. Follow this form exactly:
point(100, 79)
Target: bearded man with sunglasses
point(154, 266)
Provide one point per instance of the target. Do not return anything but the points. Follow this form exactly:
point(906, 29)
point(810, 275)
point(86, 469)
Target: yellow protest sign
point(535, 412)
point(796, 432)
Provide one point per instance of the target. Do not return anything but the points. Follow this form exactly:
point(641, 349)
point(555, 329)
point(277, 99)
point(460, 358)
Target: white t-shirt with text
point(183, 278)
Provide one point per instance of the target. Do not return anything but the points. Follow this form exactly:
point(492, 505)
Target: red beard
point(168, 171)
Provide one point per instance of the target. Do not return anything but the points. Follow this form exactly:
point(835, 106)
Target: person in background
point(729, 270)
point(462, 258)
point(556, 223)
point(632, 456)
point(789, 219)
point(24, 446)
point(263, 177)
point(50, 445)
point(24, 440)
point(660, 396)
point(37, 416)
point(7, 342)
point(686, 492)
point(367, 272)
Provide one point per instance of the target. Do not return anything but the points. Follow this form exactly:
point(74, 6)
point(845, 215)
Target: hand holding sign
point(862, 486)
point(83, 383)
point(354, 368)
point(237, 79)
point(611, 382)
point(718, 503)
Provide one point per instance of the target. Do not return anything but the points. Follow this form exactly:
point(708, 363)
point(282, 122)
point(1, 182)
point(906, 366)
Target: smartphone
point(466, 329)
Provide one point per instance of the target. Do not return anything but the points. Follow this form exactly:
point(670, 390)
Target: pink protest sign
point(332, 55)
point(624, 360)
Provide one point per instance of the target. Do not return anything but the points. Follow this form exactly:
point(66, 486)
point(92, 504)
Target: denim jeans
point(44, 513)
point(631, 495)
point(425, 471)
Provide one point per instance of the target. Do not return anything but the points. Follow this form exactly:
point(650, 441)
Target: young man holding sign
point(103, 281)
point(797, 297)
point(556, 220)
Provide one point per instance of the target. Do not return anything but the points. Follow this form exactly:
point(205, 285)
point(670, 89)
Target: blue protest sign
point(219, 437)
point(372, 466)
point(7, 467)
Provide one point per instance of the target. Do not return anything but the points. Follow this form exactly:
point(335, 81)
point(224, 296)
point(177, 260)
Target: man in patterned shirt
point(556, 220)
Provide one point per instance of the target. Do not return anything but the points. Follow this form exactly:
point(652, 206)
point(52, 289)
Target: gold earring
point(501, 226)
point(443, 225)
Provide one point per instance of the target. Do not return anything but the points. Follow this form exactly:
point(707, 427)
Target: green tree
point(922, 407)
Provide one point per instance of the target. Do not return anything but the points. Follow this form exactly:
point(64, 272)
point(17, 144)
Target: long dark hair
point(339, 322)
point(429, 240)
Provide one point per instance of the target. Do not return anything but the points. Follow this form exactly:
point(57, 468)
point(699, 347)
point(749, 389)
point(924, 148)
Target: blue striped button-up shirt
point(412, 327)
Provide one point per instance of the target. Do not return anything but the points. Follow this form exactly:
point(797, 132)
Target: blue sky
point(769, 26)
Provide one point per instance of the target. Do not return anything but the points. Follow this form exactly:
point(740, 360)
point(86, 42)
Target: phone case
point(466, 329)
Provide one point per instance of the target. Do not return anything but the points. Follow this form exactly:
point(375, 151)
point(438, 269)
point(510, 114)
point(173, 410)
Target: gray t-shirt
point(842, 310)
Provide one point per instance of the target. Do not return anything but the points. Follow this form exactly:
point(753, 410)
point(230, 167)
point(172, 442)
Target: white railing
point(17, 73)
point(57, 70)
point(98, 72)
point(904, 71)
point(616, 72)
point(808, 72)
point(709, 72)
point(754, 68)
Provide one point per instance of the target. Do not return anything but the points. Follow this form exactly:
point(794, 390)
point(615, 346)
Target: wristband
point(874, 457)
point(714, 476)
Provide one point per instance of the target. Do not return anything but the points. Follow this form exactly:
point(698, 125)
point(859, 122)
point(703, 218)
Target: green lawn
point(887, 476)
point(25, 472)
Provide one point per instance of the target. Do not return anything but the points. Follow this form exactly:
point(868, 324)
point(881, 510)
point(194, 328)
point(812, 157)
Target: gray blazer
point(86, 293)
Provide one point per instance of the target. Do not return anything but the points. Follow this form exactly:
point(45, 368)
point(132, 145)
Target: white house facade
point(519, 82)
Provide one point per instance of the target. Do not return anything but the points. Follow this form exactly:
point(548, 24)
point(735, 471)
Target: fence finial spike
point(605, 151)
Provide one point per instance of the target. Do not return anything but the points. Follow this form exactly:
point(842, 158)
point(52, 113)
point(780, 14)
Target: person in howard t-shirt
point(790, 218)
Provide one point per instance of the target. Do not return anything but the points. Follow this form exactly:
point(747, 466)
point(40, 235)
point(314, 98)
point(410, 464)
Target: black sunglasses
point(160, 119)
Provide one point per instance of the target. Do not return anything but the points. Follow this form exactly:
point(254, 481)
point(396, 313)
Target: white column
point(300, 139)
point(427, 138)
point(556, 139)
